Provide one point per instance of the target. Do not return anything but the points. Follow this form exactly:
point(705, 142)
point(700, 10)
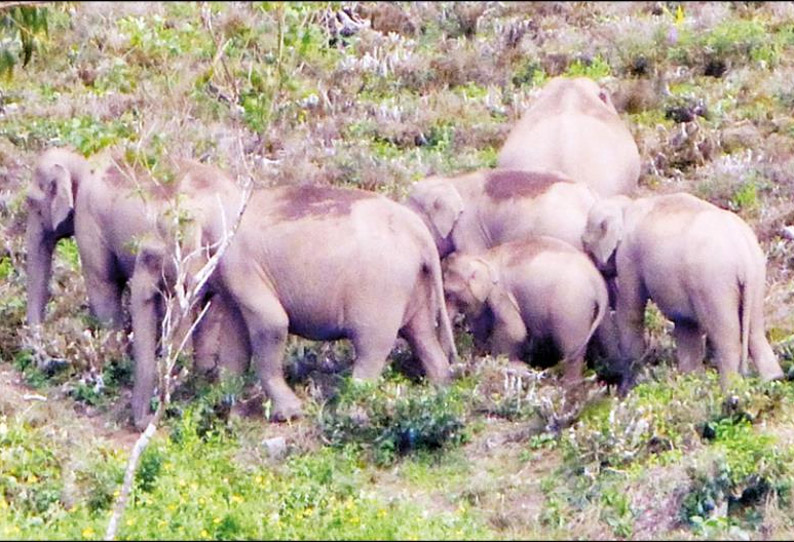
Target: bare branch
point(179, 303)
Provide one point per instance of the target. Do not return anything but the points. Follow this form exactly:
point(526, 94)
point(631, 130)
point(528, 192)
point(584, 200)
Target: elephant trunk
point(40, 244)
point(144, 304)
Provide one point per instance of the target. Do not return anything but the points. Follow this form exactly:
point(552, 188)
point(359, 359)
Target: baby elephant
point(700, 264)
point(537, 288)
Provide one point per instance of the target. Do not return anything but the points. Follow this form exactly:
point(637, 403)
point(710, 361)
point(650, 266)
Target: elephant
point(701, 265)
point(573, 127)
point(479, 210)
point(319, 262)
point(107, 207)
point(537, 288)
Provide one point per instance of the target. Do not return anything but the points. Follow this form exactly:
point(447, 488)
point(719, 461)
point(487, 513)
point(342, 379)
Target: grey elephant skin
point(107, 206)
point(319, 262)
point(540, 288)
point(701, 265)
point(572, 127)
point(476, 211)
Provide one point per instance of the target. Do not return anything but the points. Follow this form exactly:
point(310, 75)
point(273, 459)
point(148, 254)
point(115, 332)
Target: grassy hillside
point(377, 96)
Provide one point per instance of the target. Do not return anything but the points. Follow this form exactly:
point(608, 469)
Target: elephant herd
point(548, 246)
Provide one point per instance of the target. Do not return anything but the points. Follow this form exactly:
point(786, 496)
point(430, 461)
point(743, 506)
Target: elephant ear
point(608, 236)
point(441, 203)
point(481, 279)
point(61, 195)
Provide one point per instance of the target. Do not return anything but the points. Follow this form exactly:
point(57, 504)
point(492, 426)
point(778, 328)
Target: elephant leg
point(421, 333)
point(721, 322)
point(569, 336)
point(509, 333)
point(234, 349)
point(690, 345)
point(206, 339)
point(104, 297)
point(760, 350)
point(763, 356)
point(268, 325)
point(221, 339)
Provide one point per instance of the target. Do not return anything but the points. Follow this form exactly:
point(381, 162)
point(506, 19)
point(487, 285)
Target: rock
point(276, 447)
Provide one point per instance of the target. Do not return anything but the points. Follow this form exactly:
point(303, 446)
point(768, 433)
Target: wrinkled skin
point(325, 264)
point(573, 127)
point(703, 268)
point(539, 288)
point(100, 206)
point(477, 211)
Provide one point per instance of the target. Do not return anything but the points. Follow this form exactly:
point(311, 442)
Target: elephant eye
point(603, 226)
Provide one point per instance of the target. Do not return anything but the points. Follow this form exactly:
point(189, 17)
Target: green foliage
point(66, 251)
point(530, 74)
point(594, 69)
point(85, 133)
point(738, 473)
point(732, 40)
point(745, 198)
point(21, 30)
point(392, 418)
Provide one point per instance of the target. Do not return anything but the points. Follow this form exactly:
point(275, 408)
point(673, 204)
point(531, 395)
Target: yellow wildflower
point(216, 521)
point(130, 522)
point(88, 531)
point(194, 486)
point(679, 15)
point(204, 533)
point(237, 498)
point(201, 501)
point(382, 513)
point(32, 478)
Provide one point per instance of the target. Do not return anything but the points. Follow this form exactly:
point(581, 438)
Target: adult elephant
point(477, 211)
point(573, 127)
point(108, 207)
point(319, 262)
point(703, 268)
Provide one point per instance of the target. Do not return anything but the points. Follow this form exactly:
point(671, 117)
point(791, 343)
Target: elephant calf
point(700, 264)
point(540, 288)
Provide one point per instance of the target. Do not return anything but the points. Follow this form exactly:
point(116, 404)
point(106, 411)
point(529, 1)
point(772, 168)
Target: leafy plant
point(393, 418)
point(21, 30)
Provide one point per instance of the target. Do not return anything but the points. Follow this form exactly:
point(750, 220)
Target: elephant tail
point(599, 311)
point(746, 300)
point(447, 338)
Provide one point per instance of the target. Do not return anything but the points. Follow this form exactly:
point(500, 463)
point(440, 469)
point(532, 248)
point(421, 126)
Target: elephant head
point(604, 230)
point(468, 282)
point(50, 200)
point(440, 205)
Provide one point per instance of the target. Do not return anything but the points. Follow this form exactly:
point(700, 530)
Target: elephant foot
point(286, 410)
point(625, 386)
point(773, 375)
point(143, 422)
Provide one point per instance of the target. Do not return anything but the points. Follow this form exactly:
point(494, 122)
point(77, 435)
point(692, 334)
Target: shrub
point(392, 418)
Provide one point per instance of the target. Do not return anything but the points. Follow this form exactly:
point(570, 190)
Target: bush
point(392, 418)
